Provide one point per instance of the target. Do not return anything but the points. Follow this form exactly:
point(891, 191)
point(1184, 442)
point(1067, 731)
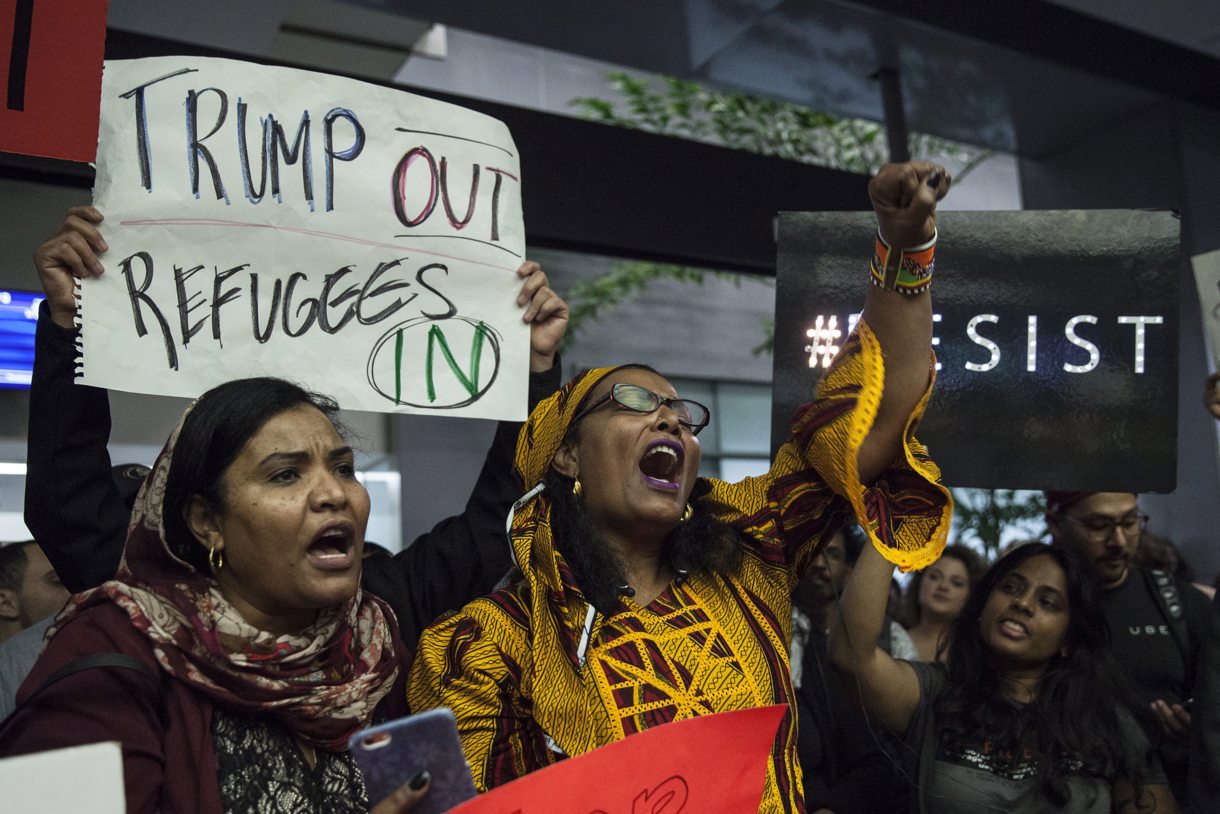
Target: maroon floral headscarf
point(322, 683)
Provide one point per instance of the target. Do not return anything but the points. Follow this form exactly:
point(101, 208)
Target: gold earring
point(216, 558)
point(577, 490)
point(688, 514)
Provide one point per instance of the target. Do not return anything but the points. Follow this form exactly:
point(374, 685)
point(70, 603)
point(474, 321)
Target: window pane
point(745, 419)
point(734, 469)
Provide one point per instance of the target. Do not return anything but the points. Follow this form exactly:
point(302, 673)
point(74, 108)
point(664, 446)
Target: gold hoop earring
point(688, 514)
point(578, 491)
point(216, 558)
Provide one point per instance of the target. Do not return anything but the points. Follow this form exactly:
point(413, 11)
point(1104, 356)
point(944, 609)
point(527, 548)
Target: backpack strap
point(1164, 590)
point(110, 660)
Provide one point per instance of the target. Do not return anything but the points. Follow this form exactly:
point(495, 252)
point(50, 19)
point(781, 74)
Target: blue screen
point(18, 316)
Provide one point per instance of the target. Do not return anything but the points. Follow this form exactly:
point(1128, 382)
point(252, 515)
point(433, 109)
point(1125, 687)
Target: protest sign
point(1056, 335)
point(1207, 281)
point(65, 781)
point(360, 240)
point(713, 764)
point(50, 72)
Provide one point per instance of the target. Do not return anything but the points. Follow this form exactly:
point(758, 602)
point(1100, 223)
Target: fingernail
point(420, 780)
point(934, 179)
point(102, 245)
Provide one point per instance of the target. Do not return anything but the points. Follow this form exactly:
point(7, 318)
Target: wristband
point(907, 271)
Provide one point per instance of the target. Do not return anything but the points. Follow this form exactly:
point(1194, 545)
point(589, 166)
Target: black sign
point(1056, 335)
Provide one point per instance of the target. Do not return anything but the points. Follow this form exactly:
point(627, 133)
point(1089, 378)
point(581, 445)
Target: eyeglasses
point(1099, 527)
point(691, 414)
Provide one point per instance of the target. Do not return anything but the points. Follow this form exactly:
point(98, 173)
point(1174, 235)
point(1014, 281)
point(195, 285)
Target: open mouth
point(1014, 629)
point(661, 465)
point(333, 548)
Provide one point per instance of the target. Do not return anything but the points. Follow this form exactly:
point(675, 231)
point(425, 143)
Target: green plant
point(681, 108)
point(981, 516)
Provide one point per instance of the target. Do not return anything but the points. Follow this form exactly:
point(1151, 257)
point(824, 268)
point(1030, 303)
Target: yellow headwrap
point(547, 425)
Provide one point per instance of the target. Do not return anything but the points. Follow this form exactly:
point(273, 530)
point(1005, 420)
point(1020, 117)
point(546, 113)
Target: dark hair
point(1074, 715)
point(222, 421)
point(975, 566)
point(13, 562)
point(699, 544)
point(1157, 552)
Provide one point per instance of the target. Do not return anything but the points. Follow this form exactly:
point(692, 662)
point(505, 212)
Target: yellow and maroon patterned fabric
point(511, 665)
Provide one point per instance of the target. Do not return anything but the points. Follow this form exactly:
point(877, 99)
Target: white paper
point(390, 284)
point(1207, 279)
point(65, 781)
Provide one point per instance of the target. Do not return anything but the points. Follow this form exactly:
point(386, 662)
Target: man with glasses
point(1166, 635)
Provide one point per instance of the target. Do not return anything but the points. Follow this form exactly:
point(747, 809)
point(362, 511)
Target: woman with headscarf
point(234, 653)
point(647, 594)
point(73, 509)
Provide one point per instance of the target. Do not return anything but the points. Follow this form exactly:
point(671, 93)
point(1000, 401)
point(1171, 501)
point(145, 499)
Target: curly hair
point(1073, 717)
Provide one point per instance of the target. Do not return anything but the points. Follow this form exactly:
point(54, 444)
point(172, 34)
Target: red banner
point(714, 764)
point(51, 55)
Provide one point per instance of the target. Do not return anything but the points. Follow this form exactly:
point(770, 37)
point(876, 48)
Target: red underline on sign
point(310, 232)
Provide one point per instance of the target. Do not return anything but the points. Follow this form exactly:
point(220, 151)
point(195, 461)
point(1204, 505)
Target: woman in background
point(1026, 714)
point(935, 597)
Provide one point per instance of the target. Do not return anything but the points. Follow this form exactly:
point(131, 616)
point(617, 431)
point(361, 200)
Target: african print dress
point(527, 690)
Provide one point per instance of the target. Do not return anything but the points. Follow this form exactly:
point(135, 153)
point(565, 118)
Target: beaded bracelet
point(907, 271)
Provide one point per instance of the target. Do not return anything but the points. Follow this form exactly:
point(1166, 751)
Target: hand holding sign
point(74, 252)
point(69, 254)
point(545, 312)
point(904, 197)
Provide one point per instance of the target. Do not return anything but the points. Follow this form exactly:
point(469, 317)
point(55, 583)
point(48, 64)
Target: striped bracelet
point(907, 271)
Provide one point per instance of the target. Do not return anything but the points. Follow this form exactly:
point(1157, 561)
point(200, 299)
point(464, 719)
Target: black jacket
point(849, 763)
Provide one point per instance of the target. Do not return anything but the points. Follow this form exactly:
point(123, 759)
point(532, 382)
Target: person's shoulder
point(99, 628)
point(931, 675)
point(502, 616)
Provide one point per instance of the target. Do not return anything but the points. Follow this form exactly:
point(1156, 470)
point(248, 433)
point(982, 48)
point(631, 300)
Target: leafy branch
point(679, 107)
point(982, 515)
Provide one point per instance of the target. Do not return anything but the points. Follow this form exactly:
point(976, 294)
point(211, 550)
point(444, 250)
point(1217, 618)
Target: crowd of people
point(221, 615)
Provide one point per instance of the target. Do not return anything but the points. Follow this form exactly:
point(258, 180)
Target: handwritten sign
point(1207, 280)
point(266, 221)
point(714, 764)
point(50, 71)
point(1056, 335)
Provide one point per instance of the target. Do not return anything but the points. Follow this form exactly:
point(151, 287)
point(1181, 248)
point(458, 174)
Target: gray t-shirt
point(970, 780)
point(17, 656)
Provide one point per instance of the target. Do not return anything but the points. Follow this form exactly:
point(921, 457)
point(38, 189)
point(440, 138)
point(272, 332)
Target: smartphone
point(392, 753)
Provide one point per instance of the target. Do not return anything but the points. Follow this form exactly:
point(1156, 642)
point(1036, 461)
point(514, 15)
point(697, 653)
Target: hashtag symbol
point(824, 333)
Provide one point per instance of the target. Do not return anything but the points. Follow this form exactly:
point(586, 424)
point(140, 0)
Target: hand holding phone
point(393, 753)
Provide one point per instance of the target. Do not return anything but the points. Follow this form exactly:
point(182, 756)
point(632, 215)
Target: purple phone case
point(428, 741)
